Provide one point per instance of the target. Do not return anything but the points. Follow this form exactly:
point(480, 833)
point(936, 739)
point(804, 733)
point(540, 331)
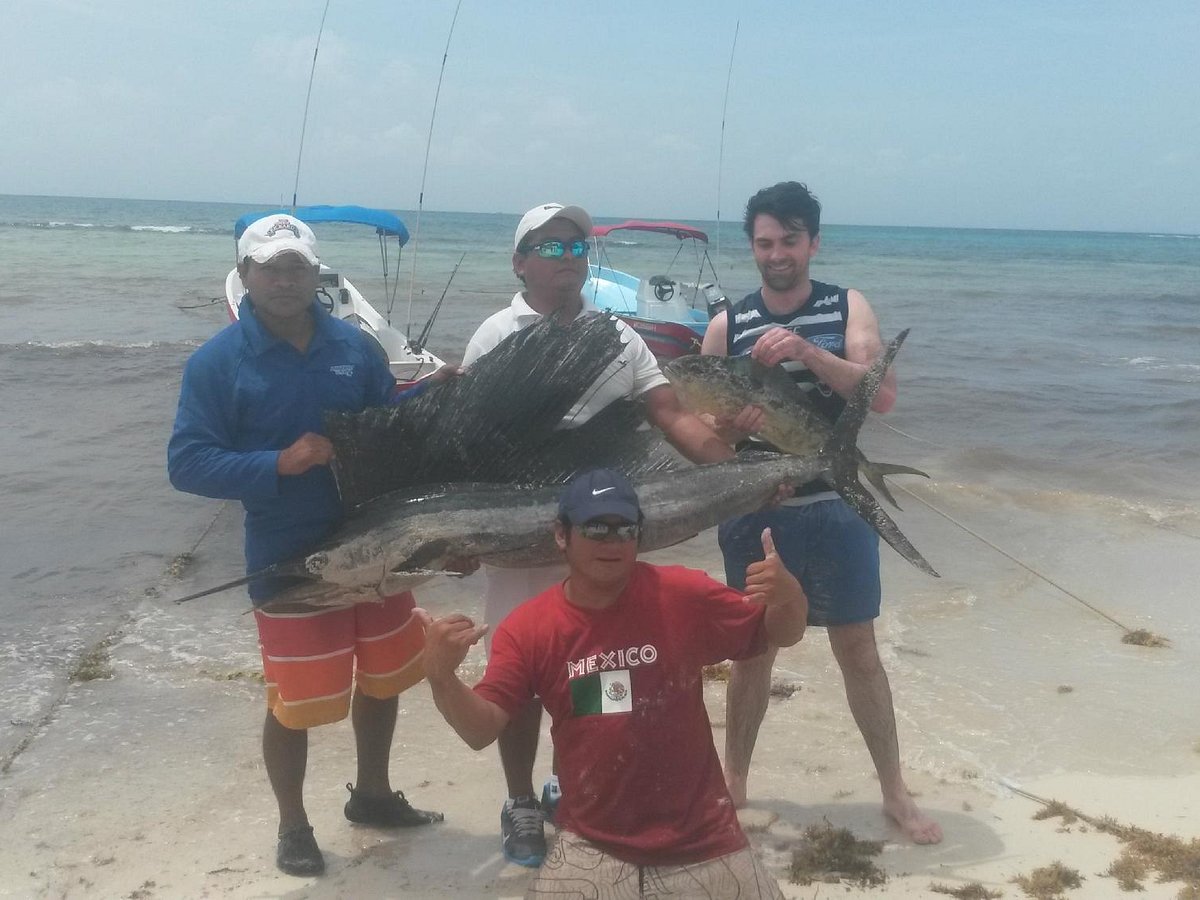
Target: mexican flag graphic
point(601, 692)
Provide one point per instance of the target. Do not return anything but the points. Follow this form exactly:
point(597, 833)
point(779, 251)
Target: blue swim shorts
point(832, 552)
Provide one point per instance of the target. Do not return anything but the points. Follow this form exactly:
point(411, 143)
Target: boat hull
point(666, 340)
point(671, 321)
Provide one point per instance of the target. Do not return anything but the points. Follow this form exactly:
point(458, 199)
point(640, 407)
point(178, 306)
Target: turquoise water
point(1050, 386)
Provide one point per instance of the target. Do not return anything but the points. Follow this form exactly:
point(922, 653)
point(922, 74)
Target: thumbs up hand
point(768, 581)
point(768, 544)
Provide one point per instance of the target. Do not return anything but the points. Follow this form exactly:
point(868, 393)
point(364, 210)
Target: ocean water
point(1050, 386)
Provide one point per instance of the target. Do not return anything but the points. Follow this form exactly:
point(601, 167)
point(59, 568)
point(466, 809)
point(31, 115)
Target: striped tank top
point(822, 321)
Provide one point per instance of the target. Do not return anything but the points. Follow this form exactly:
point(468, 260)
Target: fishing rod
point(419, 344)
point(721, 152)
point(424, 172)
point(307, 97)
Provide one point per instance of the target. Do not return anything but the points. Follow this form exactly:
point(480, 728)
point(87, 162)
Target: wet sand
point(150, 783)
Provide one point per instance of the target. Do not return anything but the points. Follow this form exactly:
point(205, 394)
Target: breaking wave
point(94, 348)
point(100, 226)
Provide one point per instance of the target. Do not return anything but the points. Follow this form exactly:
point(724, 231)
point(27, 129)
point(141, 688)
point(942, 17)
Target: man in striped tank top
point(825, 337)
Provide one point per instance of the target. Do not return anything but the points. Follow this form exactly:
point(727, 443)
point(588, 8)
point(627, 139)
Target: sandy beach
point(149, 782)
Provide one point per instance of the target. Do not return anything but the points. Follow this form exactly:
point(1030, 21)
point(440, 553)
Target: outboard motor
point(716, 301)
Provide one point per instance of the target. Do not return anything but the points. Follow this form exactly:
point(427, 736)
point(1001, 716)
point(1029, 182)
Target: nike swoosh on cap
point(597, 493)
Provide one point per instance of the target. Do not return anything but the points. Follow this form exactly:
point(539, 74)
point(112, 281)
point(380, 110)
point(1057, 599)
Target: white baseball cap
point(540, 215)
point(269, 236)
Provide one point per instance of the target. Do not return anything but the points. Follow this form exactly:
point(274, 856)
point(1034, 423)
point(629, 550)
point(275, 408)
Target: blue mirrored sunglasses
point(603, 531)
point(556, 249)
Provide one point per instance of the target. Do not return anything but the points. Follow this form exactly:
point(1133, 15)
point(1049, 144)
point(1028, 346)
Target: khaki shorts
point(578, 870)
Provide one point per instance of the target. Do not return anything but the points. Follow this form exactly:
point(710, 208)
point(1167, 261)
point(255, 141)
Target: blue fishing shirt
point(247, 395)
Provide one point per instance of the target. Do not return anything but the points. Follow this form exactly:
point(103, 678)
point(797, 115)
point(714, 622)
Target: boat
point(669, 313)
point(409, 361)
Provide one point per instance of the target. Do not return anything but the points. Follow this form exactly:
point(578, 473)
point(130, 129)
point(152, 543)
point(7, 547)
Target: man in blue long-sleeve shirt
point(249, 428)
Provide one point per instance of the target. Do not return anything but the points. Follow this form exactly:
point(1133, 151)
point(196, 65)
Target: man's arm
point(686, 432)
point(683, 429)
point(477, 721)
point(770, 583)
point(412, 392)
point(863, 345)
point(201, 458)
point(715, 341)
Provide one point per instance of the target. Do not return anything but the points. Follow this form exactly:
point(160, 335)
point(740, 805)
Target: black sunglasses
point(603, 531)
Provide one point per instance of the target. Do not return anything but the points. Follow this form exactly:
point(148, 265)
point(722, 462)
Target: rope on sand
point(1022, 564)
point(1132, 636)
point(211, 525)
point(1008, 785)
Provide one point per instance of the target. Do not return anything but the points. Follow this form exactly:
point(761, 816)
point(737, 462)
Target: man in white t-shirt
point(550, 253)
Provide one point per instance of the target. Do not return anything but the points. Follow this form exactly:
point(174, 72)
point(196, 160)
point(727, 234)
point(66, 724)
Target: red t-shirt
point(640, 775)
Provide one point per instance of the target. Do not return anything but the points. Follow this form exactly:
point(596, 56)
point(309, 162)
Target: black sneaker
point(389, 811)
point(523, 832)
point(298, 853)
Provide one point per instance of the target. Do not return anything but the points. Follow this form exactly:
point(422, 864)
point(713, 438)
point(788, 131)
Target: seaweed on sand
point(1057, 808)
point(179, 565)
point(1140, 637)
point(971, 891)
point(1129, 871)
point(1049, 882)
point(720, 672)
point(831, 854)
point(1172, 858)
point(95, 664)
point(783, 689)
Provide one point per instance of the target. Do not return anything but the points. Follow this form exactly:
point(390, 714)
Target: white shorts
point(509, 588)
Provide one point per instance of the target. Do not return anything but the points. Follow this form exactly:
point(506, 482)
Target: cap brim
point(576, 215)
point(267, 252)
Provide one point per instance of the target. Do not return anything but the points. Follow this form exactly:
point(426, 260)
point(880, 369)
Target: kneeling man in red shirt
point(616, 654)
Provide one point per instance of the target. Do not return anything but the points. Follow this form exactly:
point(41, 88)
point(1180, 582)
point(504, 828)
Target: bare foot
point(917, 827)
point(737, 788)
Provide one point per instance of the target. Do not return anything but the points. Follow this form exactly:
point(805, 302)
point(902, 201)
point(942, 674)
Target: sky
point(960, 113)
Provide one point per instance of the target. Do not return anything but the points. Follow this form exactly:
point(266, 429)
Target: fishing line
point(596, 388)
point(1000, 550)
point(913, 437)
point(425, 171)
point(1023, 565)
point(721, 153)
point(304, 123)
